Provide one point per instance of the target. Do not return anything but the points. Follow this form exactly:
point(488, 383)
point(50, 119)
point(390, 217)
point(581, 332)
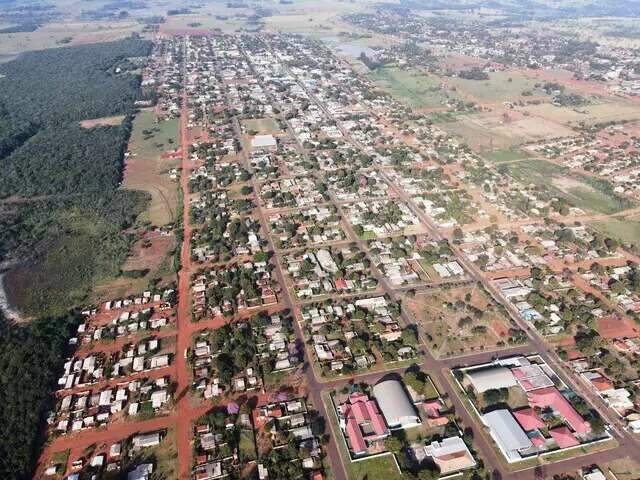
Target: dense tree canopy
point(30, 357)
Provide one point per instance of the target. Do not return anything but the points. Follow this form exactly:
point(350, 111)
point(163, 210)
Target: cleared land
point(105, 121)
point(411, 87)
point(584, 192)
point(503, 129)
point(261, 126)
point(500, 87)
point(600, 111)
point(628, 231)
point(458, 320)
point(146, 168)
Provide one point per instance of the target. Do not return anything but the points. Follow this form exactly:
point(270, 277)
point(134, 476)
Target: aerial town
point(371, 283)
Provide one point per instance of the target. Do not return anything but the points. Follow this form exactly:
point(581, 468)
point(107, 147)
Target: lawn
point(368, 235)
point(247, 444)
point(584, 192)
point(410, 87)
point(379, 468)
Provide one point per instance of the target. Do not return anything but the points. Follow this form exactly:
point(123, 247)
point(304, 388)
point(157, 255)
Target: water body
point(5, 307)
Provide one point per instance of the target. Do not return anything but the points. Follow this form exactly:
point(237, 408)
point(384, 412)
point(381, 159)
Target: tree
point(393, 444)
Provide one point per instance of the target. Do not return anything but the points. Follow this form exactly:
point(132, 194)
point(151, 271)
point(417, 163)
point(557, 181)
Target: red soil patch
point(500, 328)
point(612, 327)
point(150, 257)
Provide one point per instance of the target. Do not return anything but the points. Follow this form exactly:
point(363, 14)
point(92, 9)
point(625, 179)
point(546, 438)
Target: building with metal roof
point(489, 378)
point(507, 433)
point(396, 407)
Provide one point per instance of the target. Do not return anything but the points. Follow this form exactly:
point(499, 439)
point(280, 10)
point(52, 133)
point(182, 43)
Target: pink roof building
point(563, 437)
point(432, 408)
point(363, 423)
point(551, 397)
point(528, 419)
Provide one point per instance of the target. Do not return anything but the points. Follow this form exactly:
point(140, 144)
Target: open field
point(150, 259)
point(458, 320)
point(600, 111)
point(586, 193)
point(627, 231)
point(261, 126)
point(500, 87)
point(105, 121)
point(411, 87)
point(506, 155)
point(503, 129)
point(225, 20)
point(66, 34)
point(624, 468)
point(146, 168)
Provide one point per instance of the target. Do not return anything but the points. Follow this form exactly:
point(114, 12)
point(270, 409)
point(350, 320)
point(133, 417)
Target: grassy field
point(146, 169)
point(66, 34)
point(585, 193)
point(624, 468)
point(599, 111)
point(503, 129)
point(410, 87)
point(628, 231)
point(500, 87)
point(261, 126)
point(379, 468)
point(506, 155)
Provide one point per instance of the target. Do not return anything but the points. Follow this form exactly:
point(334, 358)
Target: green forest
point(60, 180)
point(31, 357)
point(63, 220)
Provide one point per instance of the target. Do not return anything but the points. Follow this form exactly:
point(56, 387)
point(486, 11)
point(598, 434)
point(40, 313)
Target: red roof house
point(528, 419)
point(563, 437)
point(363, 423)
point(552, 398)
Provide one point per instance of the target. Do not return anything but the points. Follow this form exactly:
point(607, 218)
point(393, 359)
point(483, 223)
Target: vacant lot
point(411, 87)
point(458, 320)
point(599, 111)
point(503, 129)
point(584, 192)
point(147, 169)
point(261, 126)
point(500, 87)
point(627, 231)
point(506, 155)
